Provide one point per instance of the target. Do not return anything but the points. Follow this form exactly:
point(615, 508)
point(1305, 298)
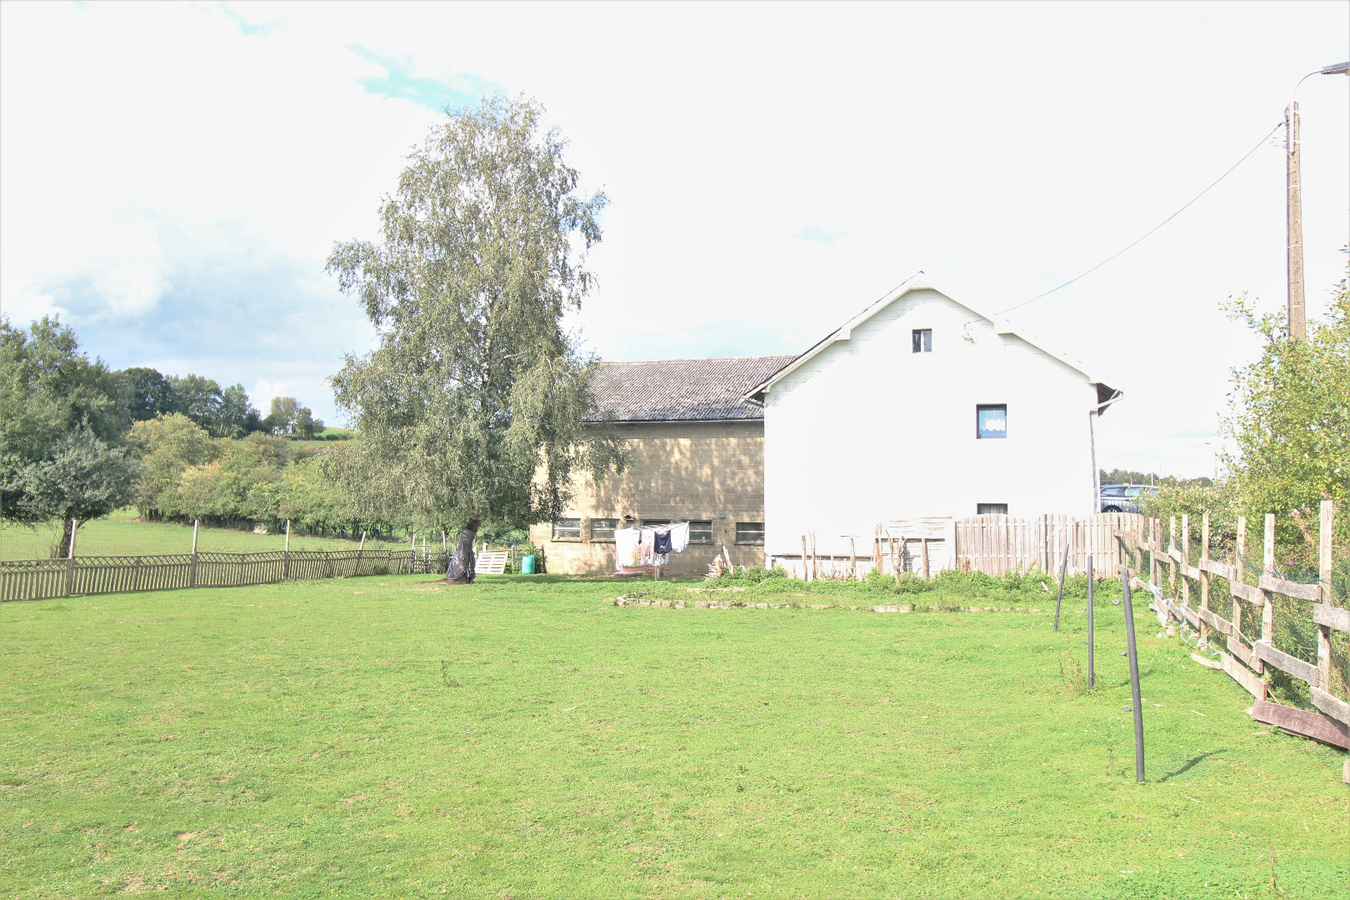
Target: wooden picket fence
point(41, 579)
point(998, 544)
point(1252, 591)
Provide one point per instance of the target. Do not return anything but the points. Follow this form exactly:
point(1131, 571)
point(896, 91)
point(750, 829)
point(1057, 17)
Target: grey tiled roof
point(683, 390)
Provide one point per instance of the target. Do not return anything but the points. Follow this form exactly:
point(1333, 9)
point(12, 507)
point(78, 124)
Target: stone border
point(737, 604)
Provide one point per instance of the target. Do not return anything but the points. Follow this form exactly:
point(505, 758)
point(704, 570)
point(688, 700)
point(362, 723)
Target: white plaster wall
point(870, 431)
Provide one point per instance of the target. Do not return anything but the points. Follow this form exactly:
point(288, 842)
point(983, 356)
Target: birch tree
point(472, 405)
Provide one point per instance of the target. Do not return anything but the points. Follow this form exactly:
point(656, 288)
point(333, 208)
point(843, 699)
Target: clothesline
point(638, 549)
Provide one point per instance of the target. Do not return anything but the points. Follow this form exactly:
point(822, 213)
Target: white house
point(922, 408)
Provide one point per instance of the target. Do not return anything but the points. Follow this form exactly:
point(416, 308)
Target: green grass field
point(122, 535)
point(386, 737)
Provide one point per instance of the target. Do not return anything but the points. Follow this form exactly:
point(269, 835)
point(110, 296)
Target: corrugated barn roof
point(683, 390)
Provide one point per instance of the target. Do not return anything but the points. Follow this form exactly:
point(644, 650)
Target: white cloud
point(131, 290)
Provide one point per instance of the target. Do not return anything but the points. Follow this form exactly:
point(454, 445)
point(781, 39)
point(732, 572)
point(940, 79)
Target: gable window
point(603, 529)
point(991, 421)
point(923, 340)
point(991, 509)
point(567, 529)
point(700, 532)
point(749, 532)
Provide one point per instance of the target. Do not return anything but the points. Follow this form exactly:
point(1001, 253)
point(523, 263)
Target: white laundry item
point(627, 551)
point(679, 537)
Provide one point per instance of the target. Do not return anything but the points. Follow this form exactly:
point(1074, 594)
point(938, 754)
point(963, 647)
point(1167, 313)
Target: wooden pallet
point(494, 562)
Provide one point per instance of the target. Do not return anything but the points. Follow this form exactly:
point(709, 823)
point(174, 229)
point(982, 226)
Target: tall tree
point(473, 403)
point(144, 393)
point(48, 390)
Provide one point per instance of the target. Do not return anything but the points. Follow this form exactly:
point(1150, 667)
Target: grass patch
point(526, 738)
point(122, 534)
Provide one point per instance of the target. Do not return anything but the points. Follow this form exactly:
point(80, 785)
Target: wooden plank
point(1174, 553)
point(1190, 572)
point(1206, 662)
point(1243, 676)
point(1235, 647)
point(1189, 615)
point(1333, 706)
point(1247, 592)
point(1331, 616)
point(1303, 723)
point(1223, 570)
point(1286, 663)
point(1218, 623)
point(1293, 589)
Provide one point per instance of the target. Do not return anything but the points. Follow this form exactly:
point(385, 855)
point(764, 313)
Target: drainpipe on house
point(1092, 441)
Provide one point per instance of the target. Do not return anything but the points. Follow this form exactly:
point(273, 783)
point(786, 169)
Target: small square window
point(923, 340)
point(603, 529)
point(567, 529)
point(655, 523)
point(749, 532)
point(991, 421)
point(991, 509)
point(700, 532)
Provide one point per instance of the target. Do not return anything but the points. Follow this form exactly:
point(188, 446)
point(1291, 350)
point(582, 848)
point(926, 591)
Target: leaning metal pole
point(1137, 704)
point(1092, 676)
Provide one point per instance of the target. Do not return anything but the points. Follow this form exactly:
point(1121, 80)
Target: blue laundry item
point(662, 543)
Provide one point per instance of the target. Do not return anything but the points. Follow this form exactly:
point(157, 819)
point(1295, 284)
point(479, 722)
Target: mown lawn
point(389, 737)
point(122, 535)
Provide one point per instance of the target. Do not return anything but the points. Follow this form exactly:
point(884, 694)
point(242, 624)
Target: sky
point(173, 176)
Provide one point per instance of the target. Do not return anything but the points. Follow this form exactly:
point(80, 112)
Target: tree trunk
point(461, 567)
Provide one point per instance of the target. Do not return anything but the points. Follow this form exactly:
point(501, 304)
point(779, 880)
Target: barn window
point(603, 529)
point(991, 509)
point(991, 421)
point(700, 532)
point(749, 532)
point(923, 340)
point(567, 529)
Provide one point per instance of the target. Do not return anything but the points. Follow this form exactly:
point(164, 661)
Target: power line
point(1153, 229)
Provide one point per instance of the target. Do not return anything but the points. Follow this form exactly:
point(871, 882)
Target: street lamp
point(1294, 220)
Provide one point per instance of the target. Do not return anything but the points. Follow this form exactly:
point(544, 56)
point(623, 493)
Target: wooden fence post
point(1204, 574)
point(1185, 558)
point(1240, 561)
point(356, 566)
point(1324, 577)
point(1268, 568)
point(1171, 563)
point(806, 574)
point(192, 570)
point(70, 561)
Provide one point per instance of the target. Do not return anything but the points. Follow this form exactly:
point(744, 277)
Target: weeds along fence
point(1281, 631)
point(42, 579)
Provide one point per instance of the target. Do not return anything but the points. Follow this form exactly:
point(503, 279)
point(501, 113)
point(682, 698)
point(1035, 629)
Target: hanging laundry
point(627, 547)
point(661, 543)
point(679, 537)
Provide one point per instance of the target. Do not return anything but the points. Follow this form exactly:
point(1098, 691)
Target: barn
point(697, 455)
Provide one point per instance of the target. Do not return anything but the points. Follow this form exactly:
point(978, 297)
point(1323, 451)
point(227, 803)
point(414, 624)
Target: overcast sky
point(173, 175)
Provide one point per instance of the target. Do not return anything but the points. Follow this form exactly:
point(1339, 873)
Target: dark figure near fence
point(460, 570)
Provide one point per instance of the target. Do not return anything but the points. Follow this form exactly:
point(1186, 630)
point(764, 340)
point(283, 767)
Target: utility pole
point(1298, 323)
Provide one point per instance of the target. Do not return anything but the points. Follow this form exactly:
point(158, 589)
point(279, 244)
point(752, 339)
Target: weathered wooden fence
point(998, 544)
point(40, 579)
point(1253, 591)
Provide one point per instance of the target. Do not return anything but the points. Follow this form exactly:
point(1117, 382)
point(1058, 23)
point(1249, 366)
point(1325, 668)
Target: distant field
point(523, 737)
point(121, 534)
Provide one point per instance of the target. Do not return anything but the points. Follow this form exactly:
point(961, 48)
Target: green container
point(527, 565)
